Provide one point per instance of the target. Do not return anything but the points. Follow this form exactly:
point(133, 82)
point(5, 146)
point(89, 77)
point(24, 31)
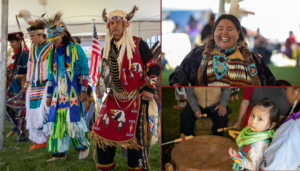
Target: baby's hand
point(232, 152)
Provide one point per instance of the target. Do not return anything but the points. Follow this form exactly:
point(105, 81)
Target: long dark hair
point(234, 20)
point(65, 40)
point(273, 109)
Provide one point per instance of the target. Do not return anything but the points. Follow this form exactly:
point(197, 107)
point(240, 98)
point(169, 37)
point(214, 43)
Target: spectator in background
point(77, 40)
point(260, 47)
point(177, 29)
point(212, 101)
point(192, 28)
point(288, 44)
point(168, 26)
point(163, 62)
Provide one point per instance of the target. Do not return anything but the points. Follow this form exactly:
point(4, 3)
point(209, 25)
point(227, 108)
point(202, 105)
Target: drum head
point(204, 152)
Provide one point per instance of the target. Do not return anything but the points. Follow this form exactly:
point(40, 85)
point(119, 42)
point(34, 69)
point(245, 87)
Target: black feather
point(118, 116)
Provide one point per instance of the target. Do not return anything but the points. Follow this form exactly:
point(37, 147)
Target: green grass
point(16, 156)
point(171, 119)
point(165, 77)
point(290, 74)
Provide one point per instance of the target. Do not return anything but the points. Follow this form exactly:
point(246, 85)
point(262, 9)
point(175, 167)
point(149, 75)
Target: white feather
point(43, 2)
point(25, 14)
point(237, 11)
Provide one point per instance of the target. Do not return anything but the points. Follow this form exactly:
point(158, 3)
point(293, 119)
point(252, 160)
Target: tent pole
point(3, 74)
point(221, 7)
point(137, 29)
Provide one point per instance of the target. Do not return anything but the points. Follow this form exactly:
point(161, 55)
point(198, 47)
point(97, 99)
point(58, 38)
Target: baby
point(256, 137)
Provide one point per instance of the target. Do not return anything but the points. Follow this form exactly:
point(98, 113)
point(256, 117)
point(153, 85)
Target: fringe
point(37, 136)
point(102, 143)
point(36, 118)
point(60, 124)
point(50, 61)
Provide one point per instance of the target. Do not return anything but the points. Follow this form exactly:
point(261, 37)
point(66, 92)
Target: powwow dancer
point(122, 121)
point(36, 82)
point(15, 95)
point(68, 80)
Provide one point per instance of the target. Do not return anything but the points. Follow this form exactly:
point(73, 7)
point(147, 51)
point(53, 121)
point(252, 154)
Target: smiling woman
point(225, 60)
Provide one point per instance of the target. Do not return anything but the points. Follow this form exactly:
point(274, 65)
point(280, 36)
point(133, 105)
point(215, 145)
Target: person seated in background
point(212, 101)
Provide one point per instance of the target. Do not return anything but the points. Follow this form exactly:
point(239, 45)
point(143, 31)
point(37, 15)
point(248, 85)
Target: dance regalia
point(224, 68)
point(65, 85)
point(124, 114)
point(15, 108)
point(37, 110)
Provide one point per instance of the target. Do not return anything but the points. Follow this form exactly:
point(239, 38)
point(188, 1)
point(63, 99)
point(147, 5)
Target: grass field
point(290, 74)
point(17, 157)
point(171, 120)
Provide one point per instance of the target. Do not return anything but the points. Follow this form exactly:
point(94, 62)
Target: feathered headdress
point(127, 40)
point(37, 26)
point(238, 12)
point(55, 26)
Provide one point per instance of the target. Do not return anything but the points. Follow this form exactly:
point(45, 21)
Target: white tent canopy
point(78, 15)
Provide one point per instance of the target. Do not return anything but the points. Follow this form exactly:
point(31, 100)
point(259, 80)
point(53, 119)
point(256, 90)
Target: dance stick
point(203, 115)
point(224, 129)
point(233, 133)
point(179, 139)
